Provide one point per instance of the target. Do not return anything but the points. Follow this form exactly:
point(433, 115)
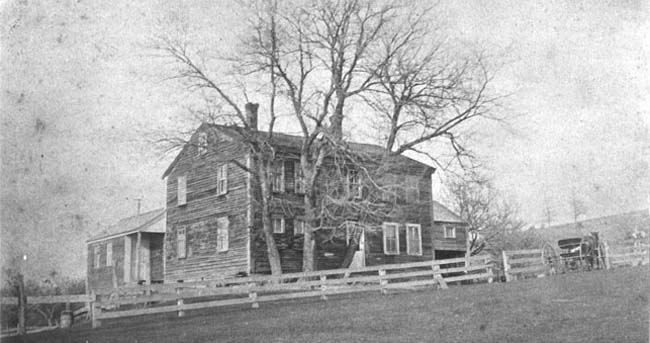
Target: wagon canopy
point(569, 243)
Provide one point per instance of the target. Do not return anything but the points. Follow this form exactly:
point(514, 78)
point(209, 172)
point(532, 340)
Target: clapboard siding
point(102, 277)
point(442, 243)
point(204, 206)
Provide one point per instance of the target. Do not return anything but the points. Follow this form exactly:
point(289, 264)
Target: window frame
point(358, 192)
point(299, 178)
point(109, 254)
point(202, 143)
point(409, 247)
point(282, 224)
point(222, 176)
point(275, 165)
point(453, 231)
point(181, 232)
point(384, 228)
point(181, 190)
point(223, 225)
point(298, 222)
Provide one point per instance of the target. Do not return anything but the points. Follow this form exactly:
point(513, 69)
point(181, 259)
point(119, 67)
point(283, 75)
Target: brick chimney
point(251, 115)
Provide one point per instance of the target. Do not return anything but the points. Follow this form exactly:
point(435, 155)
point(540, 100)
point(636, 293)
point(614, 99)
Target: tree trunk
point(271, 249)
point(309, 243)
point(22, 304)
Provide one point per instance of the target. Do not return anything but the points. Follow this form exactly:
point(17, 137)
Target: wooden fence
point(181, 297)
point(629, 256)
point(523, 263)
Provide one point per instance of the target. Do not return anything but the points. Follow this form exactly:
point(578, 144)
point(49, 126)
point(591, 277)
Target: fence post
point(253, 297)
point(180, 302)
point(486, 261)
point(382, 282)
point(323, 287)
point(96, 310)
point(438, 277)
point(608, 263)
point(506, 266)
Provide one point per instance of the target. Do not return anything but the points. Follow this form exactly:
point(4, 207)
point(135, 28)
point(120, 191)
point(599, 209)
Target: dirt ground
point(598, 306)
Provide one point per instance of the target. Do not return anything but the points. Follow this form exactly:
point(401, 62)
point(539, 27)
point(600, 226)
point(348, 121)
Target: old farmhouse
point(214, 225)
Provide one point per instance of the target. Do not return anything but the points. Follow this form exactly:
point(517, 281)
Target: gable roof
point(145, 222)
point(443, 214)
point(615, 229)
point(293, 141)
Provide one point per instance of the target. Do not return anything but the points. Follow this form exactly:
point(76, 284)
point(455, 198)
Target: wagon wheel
point(551, 258)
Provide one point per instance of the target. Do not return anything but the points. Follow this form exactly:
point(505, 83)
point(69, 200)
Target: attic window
point(450, 232)
point(202, 144)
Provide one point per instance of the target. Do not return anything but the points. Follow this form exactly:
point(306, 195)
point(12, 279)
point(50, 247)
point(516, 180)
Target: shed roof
point(152, 221)
point(443, 214)
point(295, 141)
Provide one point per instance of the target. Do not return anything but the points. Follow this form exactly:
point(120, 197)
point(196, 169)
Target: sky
point(81, 94)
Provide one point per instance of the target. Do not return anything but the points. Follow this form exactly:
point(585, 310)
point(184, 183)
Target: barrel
point(66, 319)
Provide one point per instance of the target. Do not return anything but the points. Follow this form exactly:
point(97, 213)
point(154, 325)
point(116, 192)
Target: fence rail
point(50, 299)
point(521, 263)
point(254, 290)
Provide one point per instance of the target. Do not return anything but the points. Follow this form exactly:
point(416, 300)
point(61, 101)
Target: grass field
point(599, 306)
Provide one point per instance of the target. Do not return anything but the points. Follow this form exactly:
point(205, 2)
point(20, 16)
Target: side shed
point(449, 234)
point(129, 252)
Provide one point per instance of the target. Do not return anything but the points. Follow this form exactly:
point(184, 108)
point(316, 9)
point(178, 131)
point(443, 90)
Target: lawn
point(599, 306)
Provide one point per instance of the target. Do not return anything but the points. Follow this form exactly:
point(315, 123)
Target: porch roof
point(152, 221)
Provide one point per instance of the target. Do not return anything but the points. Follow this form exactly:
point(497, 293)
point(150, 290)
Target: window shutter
point(181, 247)
point(109, 254)
point(223, 234)
point(225, 179)
point(182, 190)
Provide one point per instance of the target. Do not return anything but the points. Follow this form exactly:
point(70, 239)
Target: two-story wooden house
point(214, 224)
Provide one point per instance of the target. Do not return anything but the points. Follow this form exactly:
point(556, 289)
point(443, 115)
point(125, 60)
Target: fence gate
point(523, 263)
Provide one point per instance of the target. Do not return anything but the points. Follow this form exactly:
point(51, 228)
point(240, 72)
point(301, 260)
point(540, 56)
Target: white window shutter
point(182, 190)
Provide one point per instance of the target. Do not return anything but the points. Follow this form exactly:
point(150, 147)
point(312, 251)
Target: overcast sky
point(80, 90)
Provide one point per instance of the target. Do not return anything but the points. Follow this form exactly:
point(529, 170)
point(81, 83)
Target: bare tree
point(492, 222)
point(315, 59)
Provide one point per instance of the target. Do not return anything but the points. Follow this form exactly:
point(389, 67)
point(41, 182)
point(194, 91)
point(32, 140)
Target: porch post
point(137, 257)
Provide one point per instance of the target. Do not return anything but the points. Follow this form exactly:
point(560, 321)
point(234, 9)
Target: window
point(413, 239)
point(222, 179)
point(412, 190)
point(222, 234)
point(298, 227)
point(450, 232)
point(278, 224)
point(181, 248)
point(391, 238)
point(96, 257)
point(299, 178)
point(182, 190)
point(354, 184)
point(202, 144)
point(109, 254)
point(277, 176)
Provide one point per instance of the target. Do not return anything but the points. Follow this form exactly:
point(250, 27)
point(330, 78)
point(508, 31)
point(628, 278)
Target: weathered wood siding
point(204, 206)
point(156, 246)
point(102, 277)
point(330, 251)
point(442, 243)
